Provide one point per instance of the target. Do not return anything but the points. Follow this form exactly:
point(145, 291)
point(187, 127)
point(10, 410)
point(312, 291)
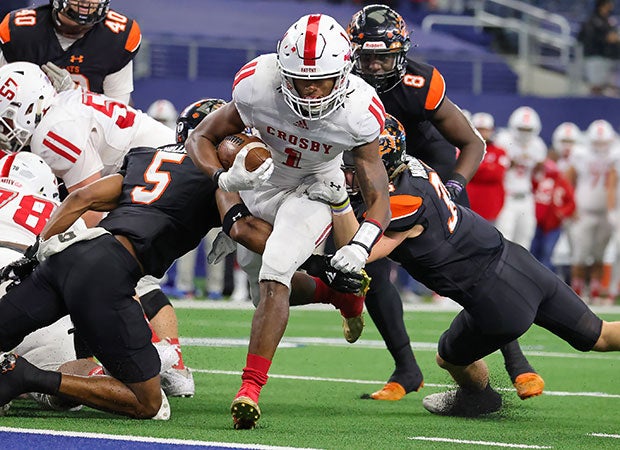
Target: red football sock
point(175, 343)
point(254, 376)
point(350, 305)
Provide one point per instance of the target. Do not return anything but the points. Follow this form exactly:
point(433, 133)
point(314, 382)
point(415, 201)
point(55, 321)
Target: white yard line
point(604, 435)
point(465, 441)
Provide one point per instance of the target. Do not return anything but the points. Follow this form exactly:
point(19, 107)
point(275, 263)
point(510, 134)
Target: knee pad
point(153, 302)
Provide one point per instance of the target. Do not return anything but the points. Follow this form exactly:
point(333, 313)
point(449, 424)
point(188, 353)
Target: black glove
point(22, 268)
point(455, 185)
point(349, 283)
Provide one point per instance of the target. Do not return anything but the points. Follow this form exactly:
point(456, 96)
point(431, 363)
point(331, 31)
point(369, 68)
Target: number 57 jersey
point(83, 133)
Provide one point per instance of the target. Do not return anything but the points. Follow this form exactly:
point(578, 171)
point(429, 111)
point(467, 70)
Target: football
point(233, 144)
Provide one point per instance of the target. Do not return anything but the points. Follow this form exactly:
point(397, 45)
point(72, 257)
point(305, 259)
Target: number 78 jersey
point(84, 133)
point(23, 213)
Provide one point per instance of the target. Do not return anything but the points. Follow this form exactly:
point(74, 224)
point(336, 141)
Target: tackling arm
point(102, 195)
point(373, 182)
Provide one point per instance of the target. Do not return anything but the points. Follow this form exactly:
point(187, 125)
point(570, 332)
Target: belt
point(21, 248)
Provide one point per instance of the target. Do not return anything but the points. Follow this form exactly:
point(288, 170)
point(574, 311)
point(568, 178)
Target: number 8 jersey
point(83, 133)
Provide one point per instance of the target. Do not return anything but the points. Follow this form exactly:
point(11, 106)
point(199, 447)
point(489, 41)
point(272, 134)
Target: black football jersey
point(166, 207)
point(456, 247)
point(28, 35)
point(414, 102)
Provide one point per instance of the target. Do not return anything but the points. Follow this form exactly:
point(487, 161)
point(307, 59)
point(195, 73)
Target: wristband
point(367, 234)
point(459, 178)
point(235, 213)
point(216, 176)
point(342, 208)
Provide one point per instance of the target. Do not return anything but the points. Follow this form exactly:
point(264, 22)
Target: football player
point(307, 107)
point(501, 286)
point(415, 94)
point(595, 177)
point(83, 136)
point(160, 205)
point(94, 44)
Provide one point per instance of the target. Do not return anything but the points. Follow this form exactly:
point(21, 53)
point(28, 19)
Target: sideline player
point(308, 108)
point(415, 94)
point(501, 286)
point(94, 44)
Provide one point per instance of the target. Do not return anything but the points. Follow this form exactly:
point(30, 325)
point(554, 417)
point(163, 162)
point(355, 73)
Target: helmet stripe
point(312, 33)
point(6, 167)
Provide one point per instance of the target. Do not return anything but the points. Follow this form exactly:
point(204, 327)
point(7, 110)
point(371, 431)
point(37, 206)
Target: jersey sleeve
point(243, 90)
point(405, 211)
point(371, 121)
point(436, 91)
point(70, 152)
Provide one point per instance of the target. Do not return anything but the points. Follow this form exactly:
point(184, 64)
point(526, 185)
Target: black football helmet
point(82, 12)
point(193, 114)
point(380, 32)
point(393, 151)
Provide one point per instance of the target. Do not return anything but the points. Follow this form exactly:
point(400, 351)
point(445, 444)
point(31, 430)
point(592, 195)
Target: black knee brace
point(152, 302)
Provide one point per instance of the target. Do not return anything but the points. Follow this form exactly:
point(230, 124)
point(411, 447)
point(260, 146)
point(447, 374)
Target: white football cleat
point(178, 383)
point(164, 410)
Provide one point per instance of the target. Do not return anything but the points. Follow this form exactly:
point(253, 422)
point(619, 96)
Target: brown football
point(233, 144)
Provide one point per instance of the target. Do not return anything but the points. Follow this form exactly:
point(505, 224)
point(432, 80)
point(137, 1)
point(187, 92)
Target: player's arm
point(239, 224)
point(373, 182)
point(102, 195)
point(347, 225)
point(454, 126)
point(91, 218)
point(201, 143)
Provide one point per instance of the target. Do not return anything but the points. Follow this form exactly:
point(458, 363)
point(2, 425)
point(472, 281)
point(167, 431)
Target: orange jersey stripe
point(134, 38)
point(404, 205)
point(5, 32)
point(436, 91)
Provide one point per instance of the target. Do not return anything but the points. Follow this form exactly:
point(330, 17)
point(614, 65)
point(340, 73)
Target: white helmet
point(163, 111)
point(31, 171)
point(524, 123)
point(601, 136)
point(483, 120)
point(314, 47)
point(565, 136)
point(25, 94)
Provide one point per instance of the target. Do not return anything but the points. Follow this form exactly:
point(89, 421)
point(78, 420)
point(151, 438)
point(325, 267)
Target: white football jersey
point(302, 147)
point(23, 212)
point(83, 133)
point(523, 159)
point(592, 172)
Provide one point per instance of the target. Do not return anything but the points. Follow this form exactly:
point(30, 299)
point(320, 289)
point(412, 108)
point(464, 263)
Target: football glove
point(222, 246)
point(60, 78)
point(18, 270)
point(455, 185)
point(350, 283)
point(238, 178)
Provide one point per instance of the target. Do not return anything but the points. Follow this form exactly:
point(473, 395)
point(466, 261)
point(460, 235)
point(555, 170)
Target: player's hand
point(60, 78)
point(350, 259)
point(238, 178)
point(328, 192)
point(454, 189)
point(222, 246)
point(353, 283)
point(18, 270)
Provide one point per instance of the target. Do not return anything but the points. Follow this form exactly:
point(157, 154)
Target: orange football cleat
point(528, 385)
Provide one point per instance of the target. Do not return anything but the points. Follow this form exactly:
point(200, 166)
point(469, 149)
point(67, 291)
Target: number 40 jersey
point(83, 134)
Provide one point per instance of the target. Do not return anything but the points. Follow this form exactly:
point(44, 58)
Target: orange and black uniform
point(94, 280)
point(414, 102)
point(28, 35)
point(501, 286)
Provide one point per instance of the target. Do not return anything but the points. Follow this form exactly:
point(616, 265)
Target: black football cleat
point(11, 377)
point(464, 402)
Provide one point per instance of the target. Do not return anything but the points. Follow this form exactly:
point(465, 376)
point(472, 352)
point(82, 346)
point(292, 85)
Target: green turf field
point(312, 398)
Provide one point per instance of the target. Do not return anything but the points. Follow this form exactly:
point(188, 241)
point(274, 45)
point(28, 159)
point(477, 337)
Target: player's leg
point(287, 247)
point(178, 381)
point(385, 307)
